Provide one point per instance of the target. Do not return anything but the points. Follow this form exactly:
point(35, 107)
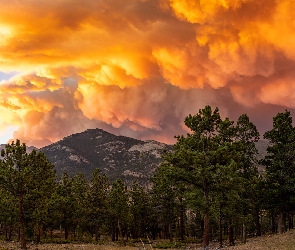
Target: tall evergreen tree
point(98, 202)
point(42, 180)
point(9, 213)
point(23, 175)
point(139, 210)
point(80, 188)
point(246, 137)
point(280, 166)
point(164, 198)
point(207, 160)
point(63, 202)
point(119, 206)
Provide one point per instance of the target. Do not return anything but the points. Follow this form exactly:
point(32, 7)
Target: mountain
point(116, 156)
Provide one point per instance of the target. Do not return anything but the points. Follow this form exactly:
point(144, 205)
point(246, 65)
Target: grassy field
point(285, 241)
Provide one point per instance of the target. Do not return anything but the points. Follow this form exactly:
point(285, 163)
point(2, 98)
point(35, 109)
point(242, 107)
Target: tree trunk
point(66, 231)
point(206, 236)
point(202, 228)
point(273, 223)
point(170, 232)
point(181, 220)
point(22, 223)
point(220, 229)
point(290, 221)
point(10, 232)
point(38, 232)
point(113, 231)
point(257, 224)
point(135, 233)
point(117, 234)
point(60, 229)
point(244, 233)
point(282, 223)
point(231, 233)
point(120, 230)
point(97, 235)
point(154, 233)
point(6, 232)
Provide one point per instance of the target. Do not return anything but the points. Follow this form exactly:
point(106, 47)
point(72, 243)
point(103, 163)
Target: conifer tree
point(119, 206)
point(139, 210)
point(63, 203)
point(80, 188)
point(280, 166)
point(9, 213)
point(41, 179)
point(164, 198)
point(251, 196)
point(206, 160)
point(22, 175)
point(98, 202)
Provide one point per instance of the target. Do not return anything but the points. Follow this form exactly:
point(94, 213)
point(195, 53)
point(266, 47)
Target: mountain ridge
point(116, 156)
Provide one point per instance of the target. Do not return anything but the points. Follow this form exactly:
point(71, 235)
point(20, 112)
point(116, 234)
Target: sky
point(139, 67)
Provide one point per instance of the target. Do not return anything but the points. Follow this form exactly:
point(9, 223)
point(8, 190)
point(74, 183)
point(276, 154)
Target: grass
point(48, 246)
point(284, 241)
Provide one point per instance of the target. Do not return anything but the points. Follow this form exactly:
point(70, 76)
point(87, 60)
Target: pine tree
point(63, 203)
point(206, 160)
point(119, 206)
point(80, 189)
point(42, 180)
point(164, 198)
point(25, 176)
point(98, 207)
point(280, 166)
point(9, 213)
point(246, 137)
point(139, 210)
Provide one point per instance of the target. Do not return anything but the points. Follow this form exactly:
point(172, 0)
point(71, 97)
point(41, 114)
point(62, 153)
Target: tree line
point(211, 186)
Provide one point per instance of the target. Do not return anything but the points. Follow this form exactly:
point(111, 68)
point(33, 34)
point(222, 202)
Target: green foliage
point(211, 166)
point(209, 181)
point(280, 162)
point(140, 210)
point(28, 178)
point(98, 203)
point(167, 245)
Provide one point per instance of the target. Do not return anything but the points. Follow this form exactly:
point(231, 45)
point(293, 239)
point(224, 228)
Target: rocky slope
point(116, 156)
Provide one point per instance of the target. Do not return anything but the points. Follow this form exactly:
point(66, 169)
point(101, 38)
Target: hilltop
point(116, 156)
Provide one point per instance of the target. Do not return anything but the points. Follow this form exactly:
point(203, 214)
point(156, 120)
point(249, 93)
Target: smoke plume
point(138, 68)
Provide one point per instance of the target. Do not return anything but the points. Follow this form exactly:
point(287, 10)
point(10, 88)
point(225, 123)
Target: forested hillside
point(208, 188)
point(116, 156)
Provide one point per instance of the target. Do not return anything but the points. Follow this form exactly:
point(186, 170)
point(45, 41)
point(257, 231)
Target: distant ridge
point(116, 156)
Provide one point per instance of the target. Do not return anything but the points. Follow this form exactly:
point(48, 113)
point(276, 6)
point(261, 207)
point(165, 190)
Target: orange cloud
point(140, 65)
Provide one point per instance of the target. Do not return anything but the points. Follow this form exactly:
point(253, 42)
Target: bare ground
point(284, 241)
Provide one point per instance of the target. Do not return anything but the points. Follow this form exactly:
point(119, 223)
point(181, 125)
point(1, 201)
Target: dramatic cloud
point(138, 68)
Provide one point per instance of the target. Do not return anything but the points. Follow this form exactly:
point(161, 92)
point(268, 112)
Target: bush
point(165, 245)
